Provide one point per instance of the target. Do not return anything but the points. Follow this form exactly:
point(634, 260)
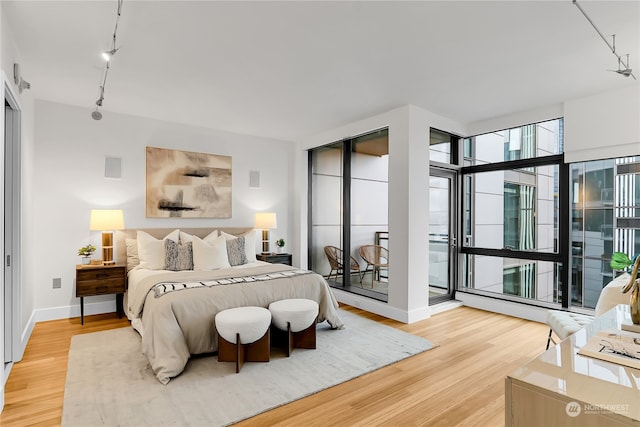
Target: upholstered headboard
point(159, 233)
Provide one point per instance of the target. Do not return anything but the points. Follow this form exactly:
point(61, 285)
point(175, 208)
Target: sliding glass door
point(348, 210)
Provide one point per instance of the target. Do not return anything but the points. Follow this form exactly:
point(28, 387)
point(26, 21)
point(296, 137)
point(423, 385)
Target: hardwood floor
point(459, 383)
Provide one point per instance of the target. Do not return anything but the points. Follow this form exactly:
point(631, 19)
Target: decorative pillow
point(249, 243)
point(210, 256)
point(151, 250)
point(185, 237)
point(236, 251)
point(178, 256)
point(132, 254)
point(211, 236)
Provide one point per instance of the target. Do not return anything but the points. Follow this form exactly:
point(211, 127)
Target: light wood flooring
point(459, 383)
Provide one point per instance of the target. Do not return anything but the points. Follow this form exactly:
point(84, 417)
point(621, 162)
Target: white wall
point(69, 181)
point(408, 206)
point(603, 126)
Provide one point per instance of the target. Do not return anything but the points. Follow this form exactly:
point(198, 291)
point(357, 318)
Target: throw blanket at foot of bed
point(177, 324)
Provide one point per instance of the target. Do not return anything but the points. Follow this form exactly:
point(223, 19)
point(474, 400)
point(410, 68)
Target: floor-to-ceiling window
point(605, 218)
point(513, 187)
point(348, 208)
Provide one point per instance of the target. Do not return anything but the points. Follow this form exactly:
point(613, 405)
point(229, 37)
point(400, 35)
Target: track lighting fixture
point(623, 66)
point(18, 80)
point(107, 55)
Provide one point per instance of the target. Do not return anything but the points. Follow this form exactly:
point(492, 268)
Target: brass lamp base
point(107, 248)
point(265, 242)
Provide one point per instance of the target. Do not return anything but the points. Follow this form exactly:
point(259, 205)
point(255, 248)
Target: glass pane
point(439, 216)
point(598, 187)
point(524, 142)
point(370, 210)
point(513, 209)
point(326, 208)
point(536, 280)
point(439, 146)
point(604, 206)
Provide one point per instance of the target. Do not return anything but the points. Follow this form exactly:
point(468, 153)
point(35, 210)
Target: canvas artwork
point(185, 184)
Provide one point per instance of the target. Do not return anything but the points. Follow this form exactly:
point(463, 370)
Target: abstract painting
point(183, 184)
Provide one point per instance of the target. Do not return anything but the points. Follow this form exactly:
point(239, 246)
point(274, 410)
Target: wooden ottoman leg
point(305, 338)
point(290, 345)
point(259, 351)
point(240, 354)
point(226, 350)
point(230, 352)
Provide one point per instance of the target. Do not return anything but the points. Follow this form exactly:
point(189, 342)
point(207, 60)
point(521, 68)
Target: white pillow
point(211, 237)
point(185, 237)
point(151, 250)
point(210, 255)
point(249, 243)
point(132, 254)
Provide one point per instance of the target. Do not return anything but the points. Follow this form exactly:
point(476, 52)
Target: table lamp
point(266, 221)
point(107, 220)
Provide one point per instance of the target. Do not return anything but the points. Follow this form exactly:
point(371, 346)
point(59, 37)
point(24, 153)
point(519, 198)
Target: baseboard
point(445, 306)
point(26, 334)
point(381, 308)
point(70, 311)
point(514, 309)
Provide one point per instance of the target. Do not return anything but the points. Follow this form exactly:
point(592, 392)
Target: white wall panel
point(603, 126)
point(369, 202)
point(326, 200)
point(370, 167)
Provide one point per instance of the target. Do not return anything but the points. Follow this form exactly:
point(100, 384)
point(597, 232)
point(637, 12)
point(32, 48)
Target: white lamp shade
point(266, 220)
point(106, 219)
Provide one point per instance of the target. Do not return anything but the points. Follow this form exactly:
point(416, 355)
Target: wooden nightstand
point(275, 258)
point(100, 280)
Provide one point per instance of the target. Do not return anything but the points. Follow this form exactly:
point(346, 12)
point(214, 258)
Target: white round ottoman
point(243, 335)
point(297, 319)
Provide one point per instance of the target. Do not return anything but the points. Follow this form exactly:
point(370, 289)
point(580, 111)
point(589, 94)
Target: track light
point(107, 55)
point(18, 80)
point(623, 66)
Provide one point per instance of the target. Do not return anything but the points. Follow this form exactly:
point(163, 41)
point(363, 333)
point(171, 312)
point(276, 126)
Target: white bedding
point(177, 324)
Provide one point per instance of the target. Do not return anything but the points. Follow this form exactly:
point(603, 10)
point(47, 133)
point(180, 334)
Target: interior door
point(442, 234)
point(11, 229)
point(8, 288)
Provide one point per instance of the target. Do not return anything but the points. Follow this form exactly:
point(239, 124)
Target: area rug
point(109, 382)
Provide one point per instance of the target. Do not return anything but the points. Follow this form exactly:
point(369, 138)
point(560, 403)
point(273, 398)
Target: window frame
point(561, 256)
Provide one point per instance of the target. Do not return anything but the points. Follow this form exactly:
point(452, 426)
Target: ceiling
point(290, 69)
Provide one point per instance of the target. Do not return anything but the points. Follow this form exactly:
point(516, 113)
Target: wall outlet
point(57, 283)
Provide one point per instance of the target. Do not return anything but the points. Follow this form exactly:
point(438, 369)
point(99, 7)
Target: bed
point(173, 309)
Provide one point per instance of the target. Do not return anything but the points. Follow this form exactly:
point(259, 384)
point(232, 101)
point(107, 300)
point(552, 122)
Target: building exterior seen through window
point(605, 212)
point(512, 209)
